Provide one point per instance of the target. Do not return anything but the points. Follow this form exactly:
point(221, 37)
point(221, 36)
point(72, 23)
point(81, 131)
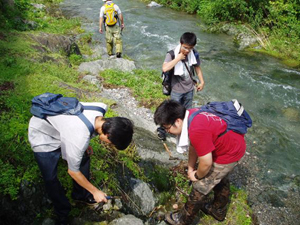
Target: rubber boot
point(218, 208)
point(188, 213)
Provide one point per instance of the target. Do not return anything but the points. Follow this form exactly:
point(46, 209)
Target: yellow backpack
point(110, 14)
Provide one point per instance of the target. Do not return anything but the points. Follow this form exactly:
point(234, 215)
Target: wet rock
point(127, 220)
point(154, 4)
point(97, 66)
point(142, 198)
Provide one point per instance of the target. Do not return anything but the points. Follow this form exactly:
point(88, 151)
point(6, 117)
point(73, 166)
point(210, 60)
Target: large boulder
point(95, 67)
point(55, 43)
point(127, 220)
point(142, 200)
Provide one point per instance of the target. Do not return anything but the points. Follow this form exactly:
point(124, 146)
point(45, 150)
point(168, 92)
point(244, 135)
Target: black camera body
point(161, 133)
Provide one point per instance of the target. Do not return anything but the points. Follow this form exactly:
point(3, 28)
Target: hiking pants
point(185, 99)
point(216, 180)
point(113, 36)
point(47, 162)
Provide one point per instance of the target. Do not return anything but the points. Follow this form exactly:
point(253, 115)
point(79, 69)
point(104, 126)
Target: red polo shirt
point(203, 134)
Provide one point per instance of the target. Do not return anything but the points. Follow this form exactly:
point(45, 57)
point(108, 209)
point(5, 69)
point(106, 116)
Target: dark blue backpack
point(236, 117)
point(49, 104)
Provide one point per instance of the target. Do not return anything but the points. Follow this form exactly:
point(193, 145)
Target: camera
point(161, 133)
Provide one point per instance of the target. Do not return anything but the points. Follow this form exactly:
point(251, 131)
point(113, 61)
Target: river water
point(269, 90)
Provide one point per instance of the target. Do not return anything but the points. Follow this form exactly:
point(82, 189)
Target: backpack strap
point(86, 121)
point(195, 114)
point(171, 52)
point(171, 72)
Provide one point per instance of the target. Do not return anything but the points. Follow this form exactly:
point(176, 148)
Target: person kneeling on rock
point(216, 151)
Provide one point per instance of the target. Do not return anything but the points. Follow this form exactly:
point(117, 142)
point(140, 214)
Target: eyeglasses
point(187, 48)
point(167, 129)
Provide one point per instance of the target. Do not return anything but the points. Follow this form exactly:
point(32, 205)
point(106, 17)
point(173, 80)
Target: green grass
point(144, 84)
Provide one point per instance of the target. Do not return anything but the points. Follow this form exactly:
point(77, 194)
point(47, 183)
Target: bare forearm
point(170, 65)
point(192, 159)
point(121, 18)
point(205, 163)
point(82, 181)
point(203, 170)
point(100, 22)
point(199, 74)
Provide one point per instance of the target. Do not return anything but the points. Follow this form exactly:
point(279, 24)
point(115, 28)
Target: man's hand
point(181, 56)
point(200, 86)
point(100, 30)
point(191, 175)
point(99, 196)
point(122, 26)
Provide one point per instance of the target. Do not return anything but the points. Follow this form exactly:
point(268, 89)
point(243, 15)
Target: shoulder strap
point(171, 52)
point(86, 121)
point(195, 114)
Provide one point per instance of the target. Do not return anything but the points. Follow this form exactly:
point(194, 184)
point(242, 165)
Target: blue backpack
point(236, 117)
point(49, 104)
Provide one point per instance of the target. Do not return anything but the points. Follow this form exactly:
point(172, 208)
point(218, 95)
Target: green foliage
point(23, 77)
point(277, 21)
point(160, 176)
point(239, 211)
point(24, 16)
point(145, 85)
point(9, 183)
point(75, 59)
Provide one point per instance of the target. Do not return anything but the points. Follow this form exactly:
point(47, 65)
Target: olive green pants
point(113, 36)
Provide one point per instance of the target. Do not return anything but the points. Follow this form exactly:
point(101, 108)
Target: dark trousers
point(47, 162)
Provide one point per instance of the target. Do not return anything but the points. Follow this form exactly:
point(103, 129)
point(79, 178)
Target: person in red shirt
point(216, 151)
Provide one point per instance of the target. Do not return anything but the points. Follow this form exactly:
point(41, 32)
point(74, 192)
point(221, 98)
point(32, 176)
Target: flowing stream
point(269, 90)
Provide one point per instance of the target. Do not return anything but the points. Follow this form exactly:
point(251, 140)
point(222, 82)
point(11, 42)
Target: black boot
point(188, 213)
point(218, 208)
point(119, 54)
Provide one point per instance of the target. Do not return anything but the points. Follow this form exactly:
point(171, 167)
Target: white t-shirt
point(67, 132)
point(117, 9)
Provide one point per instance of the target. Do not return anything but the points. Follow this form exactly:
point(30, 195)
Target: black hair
point(119, 131)
point(168, 112)
point(188, 38)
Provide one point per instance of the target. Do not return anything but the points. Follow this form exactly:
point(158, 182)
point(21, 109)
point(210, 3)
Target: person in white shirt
point(69, 137)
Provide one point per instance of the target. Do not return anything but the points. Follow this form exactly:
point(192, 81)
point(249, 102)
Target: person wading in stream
point(182, 61)
point(67, 135)
point(216, 150)
point(111, 15)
